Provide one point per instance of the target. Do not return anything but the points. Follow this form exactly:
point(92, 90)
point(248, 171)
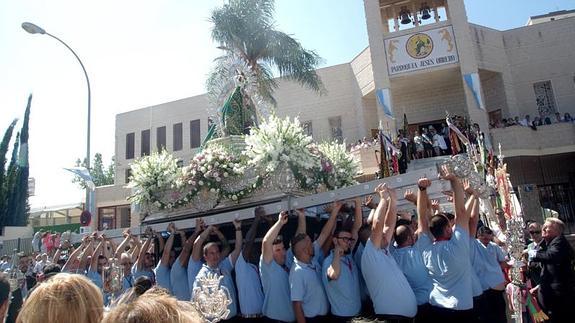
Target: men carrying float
point(393, 298)
point(340, 274)
point(448, 261)
point(216, 265)
point(275, 275)
point(307, 293)
point(250, 293)
point(410, 246)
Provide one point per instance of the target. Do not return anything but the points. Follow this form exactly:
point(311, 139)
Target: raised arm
point(74, 255)
point(271, 235)
point(301, 223)
point(357, 221)
point(472, 207)
point(97, 252)
point(377, 222)
point(164, 261)
point(390, 217)
point(225, 244)
point(189, 243)
point(123, 244)
point(199, 242)
point(143, 250)
point(251, 235)
point(87, 251)
point(461, 215)
point(423, 210)
point(238, 244)
point(136, 247)
point(327, 229)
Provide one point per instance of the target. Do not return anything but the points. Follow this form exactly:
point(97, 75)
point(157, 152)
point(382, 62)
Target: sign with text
point(421, 50)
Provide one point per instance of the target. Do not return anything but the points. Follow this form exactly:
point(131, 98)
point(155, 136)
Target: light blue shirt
point(275, 282)
point(163, 276)
point(491, 255)
point(410, 261)
point(343, 293)
point(306, 287)
point(96, 278)
point(357, 257)
point(179, 281)
point(127, 282)
point(387, 285)
point(225, 268)
point(477, 268)
point(193, 270)
point(250, 293)
point(449, 266)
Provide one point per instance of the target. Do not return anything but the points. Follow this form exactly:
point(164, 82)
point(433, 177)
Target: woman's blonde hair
point(64, 298)
point(154, 307)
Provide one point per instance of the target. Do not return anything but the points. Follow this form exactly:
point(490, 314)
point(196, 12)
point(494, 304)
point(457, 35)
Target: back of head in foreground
point(154, 308)
point(64, 298)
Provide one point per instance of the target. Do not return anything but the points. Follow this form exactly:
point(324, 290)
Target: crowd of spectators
point(527, 121)
point(390, 266)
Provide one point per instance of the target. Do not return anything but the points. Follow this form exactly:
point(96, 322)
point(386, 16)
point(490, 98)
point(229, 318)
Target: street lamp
point(33, 29)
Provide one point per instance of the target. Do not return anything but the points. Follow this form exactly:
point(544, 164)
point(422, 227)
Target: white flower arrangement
point(217, 173)
point(341, 166)
point(152, 177)
point(282, 143)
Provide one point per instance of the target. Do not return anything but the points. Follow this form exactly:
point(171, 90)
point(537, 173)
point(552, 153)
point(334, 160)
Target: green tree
point(245, 31)
point(14, 207)
point(101, 175)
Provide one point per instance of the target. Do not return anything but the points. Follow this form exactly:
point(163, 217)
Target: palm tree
point(246, 33)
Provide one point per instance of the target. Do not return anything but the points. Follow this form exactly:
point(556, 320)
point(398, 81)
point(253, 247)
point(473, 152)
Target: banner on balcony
point(472, 81)
point(421, 50)
point(384, 100)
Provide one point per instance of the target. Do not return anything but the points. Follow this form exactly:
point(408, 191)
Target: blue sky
point(141, 53)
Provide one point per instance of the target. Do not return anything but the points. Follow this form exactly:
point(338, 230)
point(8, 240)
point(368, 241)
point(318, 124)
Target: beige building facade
point(424, 59)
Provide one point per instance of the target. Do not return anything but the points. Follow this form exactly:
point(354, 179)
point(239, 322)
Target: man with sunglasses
point(536, 239)
point(340, 274)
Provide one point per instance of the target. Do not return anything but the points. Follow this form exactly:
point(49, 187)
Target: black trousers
point(558, 306)
point(445, 315)
point(495, 306)
point(424, 314)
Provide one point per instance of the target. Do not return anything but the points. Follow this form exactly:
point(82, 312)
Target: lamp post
point(33, 29)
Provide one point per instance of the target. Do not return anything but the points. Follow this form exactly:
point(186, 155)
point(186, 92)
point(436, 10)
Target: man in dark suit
point(556, 289)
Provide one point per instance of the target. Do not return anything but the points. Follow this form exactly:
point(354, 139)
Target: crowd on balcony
point(527, 121)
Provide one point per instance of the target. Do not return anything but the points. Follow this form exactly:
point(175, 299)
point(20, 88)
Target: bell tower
point(414, 44)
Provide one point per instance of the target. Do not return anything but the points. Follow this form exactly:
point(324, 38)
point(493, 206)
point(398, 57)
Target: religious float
point(252, 158)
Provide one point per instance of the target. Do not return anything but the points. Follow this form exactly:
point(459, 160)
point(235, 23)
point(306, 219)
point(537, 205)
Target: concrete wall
point(542, 52)
point(339, 100)
point(523, 141)
point(427, 96)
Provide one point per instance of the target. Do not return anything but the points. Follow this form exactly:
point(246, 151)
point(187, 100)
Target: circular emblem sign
point(419, 46)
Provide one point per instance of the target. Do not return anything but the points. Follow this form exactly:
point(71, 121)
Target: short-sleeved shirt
point(224, 268)
point(343, 293)
point(250, 293)
point(193, 270)
point(410, 261)
point(477, 268)
point(96, 278)
point(491, 255)
point(275, 282)
point(357, 257)
point(163, 276)
point(449, 266)
point(306, 287)
point(386, 283)
point(179, 281)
